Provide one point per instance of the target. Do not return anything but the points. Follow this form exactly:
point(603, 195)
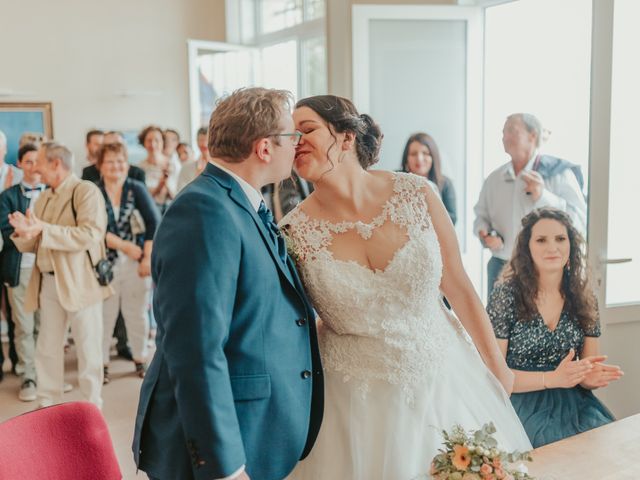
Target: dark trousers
point(120, 332)
point(494, 267)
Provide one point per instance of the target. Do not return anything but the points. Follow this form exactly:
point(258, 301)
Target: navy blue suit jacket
point(236, 378)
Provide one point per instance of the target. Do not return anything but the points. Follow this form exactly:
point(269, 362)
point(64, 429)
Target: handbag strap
point(75, 218)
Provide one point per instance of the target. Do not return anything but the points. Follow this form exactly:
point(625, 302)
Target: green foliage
point(475, 454)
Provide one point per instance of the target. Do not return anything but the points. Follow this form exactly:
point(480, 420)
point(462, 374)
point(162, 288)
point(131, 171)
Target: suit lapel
point(239, 197)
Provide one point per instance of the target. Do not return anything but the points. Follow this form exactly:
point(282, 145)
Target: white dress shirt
point(29, 259)
point(253, 195)
point(503, 203)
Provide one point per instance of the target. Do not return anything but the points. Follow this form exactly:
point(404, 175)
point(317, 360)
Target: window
point(289, 36)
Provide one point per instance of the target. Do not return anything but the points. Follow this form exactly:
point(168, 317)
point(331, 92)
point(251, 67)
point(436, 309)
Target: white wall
point(79, 53)
point(620, 342)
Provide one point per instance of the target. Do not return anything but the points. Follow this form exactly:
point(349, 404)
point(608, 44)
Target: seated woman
point(132, 220)
point(545, 316)
point(422, 157)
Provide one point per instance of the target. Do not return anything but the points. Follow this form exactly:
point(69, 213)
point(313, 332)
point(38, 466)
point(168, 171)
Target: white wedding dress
point(398, 366)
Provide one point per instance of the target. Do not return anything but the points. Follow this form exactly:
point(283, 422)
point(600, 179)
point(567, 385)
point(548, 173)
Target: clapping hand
point(8, 181)
point(535, 184)
point(570, 373)
point(601, 374)
point(25, 226)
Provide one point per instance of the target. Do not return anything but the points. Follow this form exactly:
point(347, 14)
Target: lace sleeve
point(502, 311)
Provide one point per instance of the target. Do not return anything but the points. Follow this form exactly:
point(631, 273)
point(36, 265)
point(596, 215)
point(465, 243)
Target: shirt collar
point(509, 172)
point(65, 183)
point(253, 195)
point(39, 186)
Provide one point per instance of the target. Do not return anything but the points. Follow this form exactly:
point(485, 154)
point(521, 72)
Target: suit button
point(305, 374)
point(301, 322)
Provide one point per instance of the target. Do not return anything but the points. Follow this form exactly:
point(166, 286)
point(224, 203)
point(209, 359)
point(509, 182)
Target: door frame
point(471, 249)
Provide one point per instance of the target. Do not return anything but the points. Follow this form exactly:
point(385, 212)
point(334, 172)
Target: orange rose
point(499, 473)
point(497, 463)
point(461, 458)
point(486, 469)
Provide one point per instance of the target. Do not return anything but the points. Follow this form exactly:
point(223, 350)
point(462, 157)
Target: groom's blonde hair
point(243, 117)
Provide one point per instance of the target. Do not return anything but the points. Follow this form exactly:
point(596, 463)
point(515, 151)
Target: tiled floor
point(120, 403)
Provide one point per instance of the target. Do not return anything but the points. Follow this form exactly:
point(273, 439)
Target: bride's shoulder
point(296, 216)
point(411, 181)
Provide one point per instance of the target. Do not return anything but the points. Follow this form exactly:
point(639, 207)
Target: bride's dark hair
point(580, 301)
point(342, 115)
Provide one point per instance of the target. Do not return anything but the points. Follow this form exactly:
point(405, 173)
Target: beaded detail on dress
point(387, 325)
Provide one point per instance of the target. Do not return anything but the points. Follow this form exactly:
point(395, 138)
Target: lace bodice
point(386, 324)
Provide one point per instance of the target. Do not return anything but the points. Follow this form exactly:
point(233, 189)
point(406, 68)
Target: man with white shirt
point(16, 269)
point(530, 180)
point(235, 389)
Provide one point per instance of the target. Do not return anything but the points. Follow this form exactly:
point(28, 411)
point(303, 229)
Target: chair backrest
point(63, 442)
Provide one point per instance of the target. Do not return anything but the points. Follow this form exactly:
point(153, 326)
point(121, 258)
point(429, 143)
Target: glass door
point(614, 229)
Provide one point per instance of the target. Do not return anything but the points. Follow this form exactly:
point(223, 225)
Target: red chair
point(69, 441)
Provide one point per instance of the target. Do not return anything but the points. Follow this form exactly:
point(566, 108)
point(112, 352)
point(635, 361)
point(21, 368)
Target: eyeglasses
point(295, 136)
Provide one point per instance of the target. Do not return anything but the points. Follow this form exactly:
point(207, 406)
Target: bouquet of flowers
point(475, 456)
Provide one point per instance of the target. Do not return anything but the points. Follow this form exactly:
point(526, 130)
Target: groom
point(235, 389)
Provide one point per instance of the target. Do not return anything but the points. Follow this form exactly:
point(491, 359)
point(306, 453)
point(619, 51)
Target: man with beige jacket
point(63, 284)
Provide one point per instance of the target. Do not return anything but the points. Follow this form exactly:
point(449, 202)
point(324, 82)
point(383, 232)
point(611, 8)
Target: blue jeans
point(494, 267)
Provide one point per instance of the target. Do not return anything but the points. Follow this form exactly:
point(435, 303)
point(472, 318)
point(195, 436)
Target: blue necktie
point(274, 233)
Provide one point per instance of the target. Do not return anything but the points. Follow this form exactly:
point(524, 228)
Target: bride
point(375, 250)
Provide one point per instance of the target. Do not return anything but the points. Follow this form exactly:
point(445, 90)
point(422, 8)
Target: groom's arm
point(196, 264)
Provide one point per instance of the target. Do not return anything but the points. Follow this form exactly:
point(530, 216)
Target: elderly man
point(65, 230)
point(528, 181)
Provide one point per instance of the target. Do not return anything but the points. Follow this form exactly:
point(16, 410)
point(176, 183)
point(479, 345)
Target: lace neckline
point(364, 229)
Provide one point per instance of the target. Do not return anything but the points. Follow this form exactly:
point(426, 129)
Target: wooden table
point(611, 452)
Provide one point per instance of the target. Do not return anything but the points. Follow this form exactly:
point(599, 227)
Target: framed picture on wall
point(18, 118)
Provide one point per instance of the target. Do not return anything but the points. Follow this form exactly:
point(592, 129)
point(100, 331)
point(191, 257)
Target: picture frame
point(17, 118)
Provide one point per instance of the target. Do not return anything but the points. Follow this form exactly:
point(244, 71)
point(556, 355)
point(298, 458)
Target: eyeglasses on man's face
point(294, 137)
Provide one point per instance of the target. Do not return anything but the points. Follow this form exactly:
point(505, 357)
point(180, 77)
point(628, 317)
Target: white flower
point(522, 468)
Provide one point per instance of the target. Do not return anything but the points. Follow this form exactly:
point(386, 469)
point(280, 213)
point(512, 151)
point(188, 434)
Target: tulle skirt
point(381, 436)
point(554, 414)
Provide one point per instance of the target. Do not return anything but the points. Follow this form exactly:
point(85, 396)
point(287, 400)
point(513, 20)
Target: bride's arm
point(458, 289)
